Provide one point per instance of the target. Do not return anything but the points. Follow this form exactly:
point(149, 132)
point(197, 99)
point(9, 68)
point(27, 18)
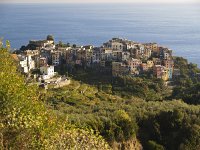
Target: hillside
point(25, 122)
point(88, 114)
point(169, 124)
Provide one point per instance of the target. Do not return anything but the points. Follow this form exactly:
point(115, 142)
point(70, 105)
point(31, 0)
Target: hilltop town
point(119, 56)
point(118, 90)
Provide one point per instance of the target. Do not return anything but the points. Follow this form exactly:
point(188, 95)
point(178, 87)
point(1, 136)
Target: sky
point(99, 1)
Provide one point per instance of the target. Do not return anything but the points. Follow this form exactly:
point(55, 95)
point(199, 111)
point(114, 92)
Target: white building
point(47, 72)
point(96, 57)
point(106, 54)
point(31, 62)
point(26, 63)
point(125, 56)
point(130, 45)
point(114, 44)
point(42, 43)
point(56, 57)
point(117, 46)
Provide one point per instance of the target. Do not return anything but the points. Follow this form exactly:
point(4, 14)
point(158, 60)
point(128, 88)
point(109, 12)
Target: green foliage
point(190, 94)
point(193, 140)
point(50, 38)
point(171, 129)
point(1, 42)
point(112, 107)
point(147, 89)
point(126, 126)
point(18, 101)
point(25, 122)
point(118, 119)
point(61, 44)
point(154, 146)
point(8, 45)
point(72, 117)
point(187, 85)
point(150, 89)
point(20, 109)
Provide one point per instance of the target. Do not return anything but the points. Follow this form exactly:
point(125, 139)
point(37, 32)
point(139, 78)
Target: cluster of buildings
point(33, 60)
point(123, 57)
point(133, 58)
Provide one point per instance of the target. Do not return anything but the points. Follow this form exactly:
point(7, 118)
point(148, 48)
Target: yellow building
point(161, 72)
point(152, 46)
point(150, 64)
point(165, 74)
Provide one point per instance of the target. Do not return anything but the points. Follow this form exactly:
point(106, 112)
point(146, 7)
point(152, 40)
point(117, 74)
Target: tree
point(127, 127)
point(1, 42)
point(60, 43)
point(154, 146)
point(68, 44)
point(50, 38)
point(23, 48)
point(193, 138)
point(25, 122)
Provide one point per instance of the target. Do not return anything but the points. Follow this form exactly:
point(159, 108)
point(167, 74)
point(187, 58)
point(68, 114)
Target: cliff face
point(133, 144)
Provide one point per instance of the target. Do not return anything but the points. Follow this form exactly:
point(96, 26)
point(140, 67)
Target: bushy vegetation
point(147, 88)
point(184, 86)
point(26, 123)
point(96, 99)
point(159, 124)
point(124, 110)
point(188, 83)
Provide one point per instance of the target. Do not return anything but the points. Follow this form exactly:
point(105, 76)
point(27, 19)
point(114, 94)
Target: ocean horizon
point(174, 26)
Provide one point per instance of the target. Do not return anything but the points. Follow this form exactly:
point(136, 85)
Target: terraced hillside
point(120, 120)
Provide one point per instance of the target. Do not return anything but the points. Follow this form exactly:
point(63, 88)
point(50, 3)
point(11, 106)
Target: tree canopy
point(26, 123)
point(50, 38)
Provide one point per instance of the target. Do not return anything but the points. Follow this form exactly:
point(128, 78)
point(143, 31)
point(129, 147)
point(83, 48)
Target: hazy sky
point(98, 1)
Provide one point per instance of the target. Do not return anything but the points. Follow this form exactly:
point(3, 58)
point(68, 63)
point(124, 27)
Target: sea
point(176, 26)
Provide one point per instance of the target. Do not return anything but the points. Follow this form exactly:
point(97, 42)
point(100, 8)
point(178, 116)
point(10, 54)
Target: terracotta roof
point(15, 57)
